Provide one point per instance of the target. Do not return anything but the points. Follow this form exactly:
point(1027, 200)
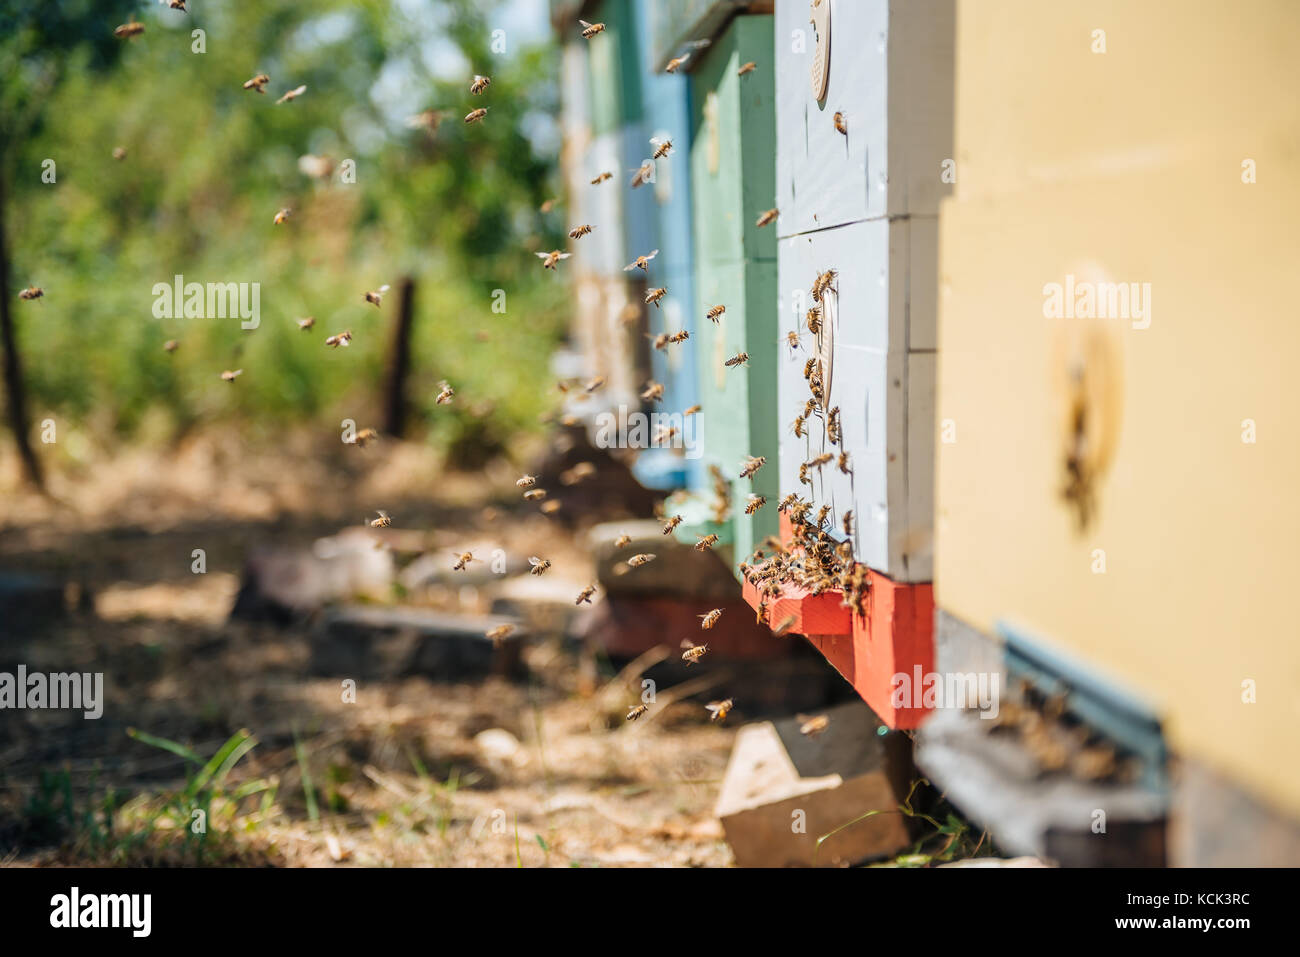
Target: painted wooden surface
point(732, 180)
point(1197, 528)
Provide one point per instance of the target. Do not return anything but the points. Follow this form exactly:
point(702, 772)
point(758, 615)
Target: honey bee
point(342, 339)
point(428, 120)
point(749, 67)
point(595, 383)
point(579, 473)
point(445, 394)
point(716, 313)
point(693, 652)
point(692, 410)
point(803, 474)
point(132, 29)
point(813, 318)
point(585, 595)
point(636, 561)
point(820, 460)
point(577, 232)
point(474, 116)
point(539, 565)
point(383, 521)
point(479, 84)
point(705, 542)
point(840, 125)
point(589, 30)
point(654, 295)
point(844, 464)
point(709, 620)
point(833, 425)
point(305, 324)
point(178, 5)
point(30, 293)
point(671, 525)
point(788, 501)
point(526, 481)
point(676, 62)
point(811, 727)
point(720, 709)
point(229, 376)
point(793, 340)
point(822, 514)
point(754, 504)
point(785, 625)
point(498, 633)
point(641, 175)
point(809, 407)
point(535, 495)
point(601, 178)
point(550, 259)
point(291, 95)
point(623, 541)
point(797, 427)
point(767, 218)
point(364, 437)
point(257, 83)
point(739, 359)
point(754, 463)
point(282, 215)
point(549, 508)
point(463, 560)
point(119, 153)
point(636, 712)
point(822, 283)
point(847, 521)
point(654, 392)
point(547, 206)
point(660, 341)
point(170, 345)
point(679, 337)
point(662, 149)
point(641, 262)
point(376, 297)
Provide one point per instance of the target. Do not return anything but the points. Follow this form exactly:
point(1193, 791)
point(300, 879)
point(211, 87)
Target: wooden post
point(399, 361)
point(13, 370)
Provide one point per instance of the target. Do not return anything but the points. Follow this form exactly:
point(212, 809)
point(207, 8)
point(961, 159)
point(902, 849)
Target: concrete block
point(783, 790)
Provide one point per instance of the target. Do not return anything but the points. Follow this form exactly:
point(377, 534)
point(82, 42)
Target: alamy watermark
point(627, 429)
point(60, 690)
point(953, 689)
point(1098, 300)
point(215, 300)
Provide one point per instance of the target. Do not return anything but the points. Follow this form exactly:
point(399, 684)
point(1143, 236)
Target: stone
point(679, 569)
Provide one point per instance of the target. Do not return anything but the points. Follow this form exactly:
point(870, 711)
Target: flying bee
point(428, 120)
point(282, 215)
point(549, 508)
point(376, 296)
point(474, 116)
point(793, 340)
point(229, 376)
point(601, 178)
point(767, 218)
point(306, 323)
point(749, 67)
point(679, 337)
point(585, 595)
point(820, 460)
point(671, 525)
point(641, 262)
point(623, 541)
point(844, 465)
point(383, 521)
point(170, 345)
point(788, 501)
point(754, 504)
point(636, 712)
point(498, 633)
point(662, 148)
point(550, 259)
point(479, 84)
point(784, 626)
point(709, 620)
point(665, 434)
point(636, 561)
point(705, 542)
point(291, 95)
point(660, 341)
point(539, 565)
point(654, 392)
point(693, 652)
point(30, 293)
point(445, 394)
point(257, 83)
point(595, 383)
point(675, 63)
point(535, 495)
point(364, 438)
point(692, 410)
point(840, 125)
point(547, 206)
point(654, 295)
point(119, 153)
point(642, 174)
point(579, 473)
point(716, 313)
point(526, 481)
point(811, 727)
point(739, 359)
point(577, 232)
point(754, 463)
point(797, 427)
point(178, 5)
point(127, 30)
point(589, 30)
point(463, 560)
point(342, 339)
point(720, 709)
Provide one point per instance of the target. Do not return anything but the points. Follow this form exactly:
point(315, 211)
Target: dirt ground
point(543, 771)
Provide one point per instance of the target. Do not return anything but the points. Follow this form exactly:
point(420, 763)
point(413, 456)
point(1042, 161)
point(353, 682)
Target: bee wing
point(714, 706)
point(652, 255)
point(687, 643)
point(534, 560)
point(629, 267)
point(384, 288)
point(381, 513)
point(541, 255)
point(585, 24)
point(565, 255)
